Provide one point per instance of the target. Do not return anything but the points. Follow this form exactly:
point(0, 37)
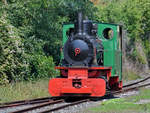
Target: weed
point(125, 105)
point(24, 90)
point(130, 75)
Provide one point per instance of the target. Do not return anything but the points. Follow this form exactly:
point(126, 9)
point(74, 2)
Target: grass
point(144, 94)
point(130, 75)
point(125, 105)
point(24, 90)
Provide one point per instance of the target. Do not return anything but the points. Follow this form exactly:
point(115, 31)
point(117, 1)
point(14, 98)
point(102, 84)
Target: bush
point(42, 66)
point(13, 65)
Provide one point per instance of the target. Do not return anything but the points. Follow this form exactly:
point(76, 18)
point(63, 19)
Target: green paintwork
point(66, 27)
point(112, 50)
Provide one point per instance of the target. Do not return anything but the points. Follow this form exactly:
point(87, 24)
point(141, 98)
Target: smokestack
point(79, 23)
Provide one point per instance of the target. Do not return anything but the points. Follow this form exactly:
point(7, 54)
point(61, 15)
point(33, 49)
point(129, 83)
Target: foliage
point(42, 66)
point(37, 26)
point(13, 65)
point(134, 15)
point(31, 31)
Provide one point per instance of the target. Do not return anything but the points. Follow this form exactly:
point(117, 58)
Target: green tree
point(134, 15)
point(37, 29)
point(13, 65)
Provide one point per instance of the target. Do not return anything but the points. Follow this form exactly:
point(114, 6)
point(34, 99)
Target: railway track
point(14, 102)
point(25, 102)
point(47, 101)
point(130, 88)
point(64, 106)
point(39, 106)
point(137, 82)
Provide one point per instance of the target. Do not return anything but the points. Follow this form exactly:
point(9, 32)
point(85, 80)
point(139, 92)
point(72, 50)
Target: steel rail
point(38, 106)
point(134, 83)
point(21, 101)
point(64, 106)
point(49, 99)
point(130, 88)
point(86, 100)
point(25, 103)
